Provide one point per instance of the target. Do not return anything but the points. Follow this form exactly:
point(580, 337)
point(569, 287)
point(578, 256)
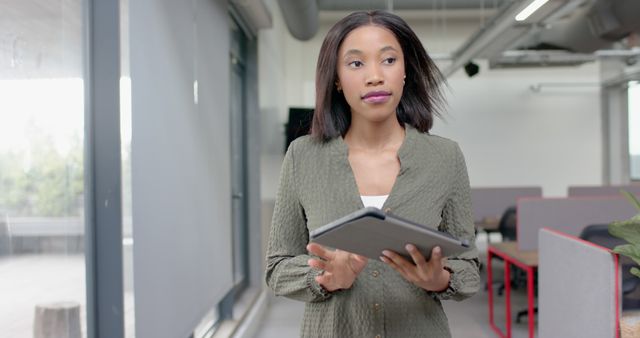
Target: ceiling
point(352, 5)
point(560, 33)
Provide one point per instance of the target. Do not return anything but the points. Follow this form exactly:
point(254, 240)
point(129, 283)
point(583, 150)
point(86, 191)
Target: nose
point(374, 77)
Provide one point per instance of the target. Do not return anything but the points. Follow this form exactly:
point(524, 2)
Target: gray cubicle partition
point(578, 290)
point(608, 190)
point(569, 215)
point(492, 202)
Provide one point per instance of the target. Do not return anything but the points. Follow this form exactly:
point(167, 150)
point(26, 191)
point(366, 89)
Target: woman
point(377, 92)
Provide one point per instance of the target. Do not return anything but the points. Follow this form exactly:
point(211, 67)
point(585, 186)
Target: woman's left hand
point(429, 275)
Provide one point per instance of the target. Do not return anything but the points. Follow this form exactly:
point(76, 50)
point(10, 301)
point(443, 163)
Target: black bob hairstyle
point(421, 98)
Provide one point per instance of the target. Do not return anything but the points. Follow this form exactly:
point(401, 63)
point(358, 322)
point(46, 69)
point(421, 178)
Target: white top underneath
point(374, 201)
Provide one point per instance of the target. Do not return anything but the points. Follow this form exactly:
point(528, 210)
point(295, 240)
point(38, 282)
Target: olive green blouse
point(317, 186)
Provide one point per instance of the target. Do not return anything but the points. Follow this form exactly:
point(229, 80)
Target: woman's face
point(371, 72)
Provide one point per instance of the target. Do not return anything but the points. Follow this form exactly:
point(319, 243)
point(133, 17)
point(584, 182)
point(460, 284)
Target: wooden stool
point(57, 320)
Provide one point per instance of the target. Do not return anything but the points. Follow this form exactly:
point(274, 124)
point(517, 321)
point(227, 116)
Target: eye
point(389, 61)
point(355, 64)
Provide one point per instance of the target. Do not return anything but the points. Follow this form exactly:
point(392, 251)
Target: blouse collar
point(405, 153)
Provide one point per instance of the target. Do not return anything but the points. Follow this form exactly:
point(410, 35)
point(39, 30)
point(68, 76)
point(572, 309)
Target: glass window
point(634, 129)
point(238, 157)
point(42, 262)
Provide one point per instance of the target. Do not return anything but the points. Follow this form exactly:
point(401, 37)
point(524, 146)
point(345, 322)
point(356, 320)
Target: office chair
point(507, 224)
point(507, 228)
point(599, 234)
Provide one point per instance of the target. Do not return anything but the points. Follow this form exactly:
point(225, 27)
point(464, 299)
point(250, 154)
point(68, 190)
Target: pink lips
point(377, 97)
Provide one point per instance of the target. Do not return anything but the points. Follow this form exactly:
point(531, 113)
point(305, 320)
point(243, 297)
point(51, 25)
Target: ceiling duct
point(573, 34)
point(497, 34)
point(253, 13)
point(301, 17)
point(628, 13)
point(590, 28)
point(561, 32)
point(359, 5)
point(604, 23)
point(614, 20)
point(521, 59)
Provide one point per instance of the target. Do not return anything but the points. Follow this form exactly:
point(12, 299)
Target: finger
point(417, 257)
point(393, 265)
point(320, 251)
point(323, 279)
point(318, 264)
point(436, 259)
point(399, 261)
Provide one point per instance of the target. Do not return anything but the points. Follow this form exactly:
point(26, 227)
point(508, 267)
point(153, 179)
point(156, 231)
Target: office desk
point(526, 260)
point(488, 225)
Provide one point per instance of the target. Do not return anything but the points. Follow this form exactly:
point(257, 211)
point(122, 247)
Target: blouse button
point(376, 306)
point(387, 210)
point(375, 273)
point(378, 336)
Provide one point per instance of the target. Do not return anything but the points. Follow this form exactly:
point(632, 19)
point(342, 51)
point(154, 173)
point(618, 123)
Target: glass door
point(42, 258)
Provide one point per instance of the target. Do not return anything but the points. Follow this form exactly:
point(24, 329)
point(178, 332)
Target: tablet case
point(368, 231)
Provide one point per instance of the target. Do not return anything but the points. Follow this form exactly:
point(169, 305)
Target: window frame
point(103, 184)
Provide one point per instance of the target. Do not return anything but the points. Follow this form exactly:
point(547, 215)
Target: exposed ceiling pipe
point(613, 20)
point(401, 5)
point(485, 36)
point(301, 17)
point(254, 13)
point(594, 28)
point(571, 29)
point(627, 12)
point(574, 35)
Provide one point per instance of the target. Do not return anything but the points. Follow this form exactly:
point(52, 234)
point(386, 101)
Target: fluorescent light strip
point(534, 6)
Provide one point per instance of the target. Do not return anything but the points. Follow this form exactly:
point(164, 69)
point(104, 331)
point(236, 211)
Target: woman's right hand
point(340, 268)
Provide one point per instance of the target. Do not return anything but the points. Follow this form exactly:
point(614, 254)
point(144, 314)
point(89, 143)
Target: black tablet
point(368, 231)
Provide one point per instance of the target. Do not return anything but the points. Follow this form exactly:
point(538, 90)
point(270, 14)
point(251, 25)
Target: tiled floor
point(30, 280)
point(467, 319)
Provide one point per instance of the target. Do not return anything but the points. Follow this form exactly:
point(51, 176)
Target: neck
point(375, 135)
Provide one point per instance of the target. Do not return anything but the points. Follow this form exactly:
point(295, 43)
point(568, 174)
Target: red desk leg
point(507, 291)
point(530, 300)
point(507, 288)
point(490, 285)
point(490, 255)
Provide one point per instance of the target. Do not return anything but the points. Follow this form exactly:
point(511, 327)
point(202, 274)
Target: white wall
point(512, 135)
point(509, 134)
